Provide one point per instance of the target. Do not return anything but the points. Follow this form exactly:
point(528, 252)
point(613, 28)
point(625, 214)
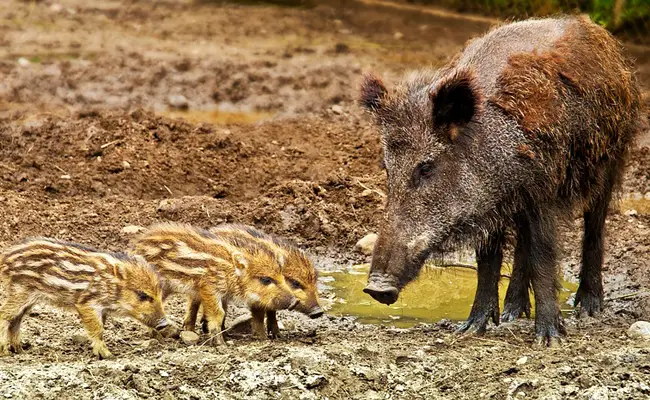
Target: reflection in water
point(437, 294)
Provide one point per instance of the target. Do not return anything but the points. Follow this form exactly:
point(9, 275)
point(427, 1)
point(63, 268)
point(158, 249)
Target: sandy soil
point(86, 149)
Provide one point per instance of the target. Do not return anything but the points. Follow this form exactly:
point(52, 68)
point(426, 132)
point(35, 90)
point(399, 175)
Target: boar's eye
point(295, 284)
point(423, 171)
point(266, 280)
point(142, 296)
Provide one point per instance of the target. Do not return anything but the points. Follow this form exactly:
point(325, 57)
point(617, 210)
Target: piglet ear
point(373, 92)
point(239, 260)
point(120, 271)
point(456, 99)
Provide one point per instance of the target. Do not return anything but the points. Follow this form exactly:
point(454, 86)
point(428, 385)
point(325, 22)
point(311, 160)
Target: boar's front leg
point(91, 319)
point(538, 231)
point(272, 327)
point(213, 312)
point(489, 256)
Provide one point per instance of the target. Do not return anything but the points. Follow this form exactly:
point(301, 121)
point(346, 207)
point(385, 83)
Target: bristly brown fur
point(69, 275)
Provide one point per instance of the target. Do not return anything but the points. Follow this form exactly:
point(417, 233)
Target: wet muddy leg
point(590, 294)
point(517, 302)
point(540, 233)
point(489, 257)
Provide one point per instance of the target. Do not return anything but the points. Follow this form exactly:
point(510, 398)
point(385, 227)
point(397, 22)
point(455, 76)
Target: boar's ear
point(373, 92)
point(455, 99)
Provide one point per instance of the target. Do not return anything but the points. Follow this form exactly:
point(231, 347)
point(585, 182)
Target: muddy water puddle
point(439, 293)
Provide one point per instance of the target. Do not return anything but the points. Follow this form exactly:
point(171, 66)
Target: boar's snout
point(316, 312)
point(384, 294)
point(162, 324)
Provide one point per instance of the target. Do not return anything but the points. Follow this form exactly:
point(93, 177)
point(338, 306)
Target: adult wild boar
point(528, 123)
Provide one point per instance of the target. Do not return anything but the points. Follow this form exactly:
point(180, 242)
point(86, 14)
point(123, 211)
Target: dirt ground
point(87, 148)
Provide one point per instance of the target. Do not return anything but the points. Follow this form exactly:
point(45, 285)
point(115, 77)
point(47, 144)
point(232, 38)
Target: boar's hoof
point(550, 335)
point(385, 294)
point(104, 354)
point(590, 304)
point(478, 320)
point(316, 313)
point(515, 309)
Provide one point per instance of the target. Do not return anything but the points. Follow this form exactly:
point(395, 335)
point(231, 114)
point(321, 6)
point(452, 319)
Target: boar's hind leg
point(538, 231)
point(91, 319)
point(518, 297)
point(193, 304)
point(489, 256)
point(11, 316)
point(590, 292)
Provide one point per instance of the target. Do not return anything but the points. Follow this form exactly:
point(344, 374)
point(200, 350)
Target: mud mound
point(141, 155)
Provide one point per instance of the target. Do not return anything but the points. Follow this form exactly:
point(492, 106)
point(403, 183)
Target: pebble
point(79, 339)
point(164, 374)
point(564, 370)
point(336, 109)
point(178, 101)
point(150, 344)
point(23, 62)
point(523, 360)
point(131, 229)
point(596, 393)
point(314, 381)
point(639, 330)
point(366, 244)
point(67, 177)
point(631, 213)
point(189, 338)
point(126, 165)
point(398, 36)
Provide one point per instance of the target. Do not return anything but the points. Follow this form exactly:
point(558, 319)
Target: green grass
point(634, 15)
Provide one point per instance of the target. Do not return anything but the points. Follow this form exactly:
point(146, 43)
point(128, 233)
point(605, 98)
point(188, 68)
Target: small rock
point(631, 213)
point(132, 229)
point(189, 338)
point(647, 196)
point(398, 36)
point(178, 101)
point(164, 374)
point(79, 340)
point(56, 8)
point(564, 370)
point(366, 244)
point(596, 393)
point(66, 177)
point(315, 381)
point(639, 330)
point(337, 109)
point(366, 193)
point(126, 165)
point(523, 360)
point(150, 344)
point(23, 62)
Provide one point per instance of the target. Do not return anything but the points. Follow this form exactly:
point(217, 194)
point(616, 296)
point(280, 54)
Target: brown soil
point(85, 150)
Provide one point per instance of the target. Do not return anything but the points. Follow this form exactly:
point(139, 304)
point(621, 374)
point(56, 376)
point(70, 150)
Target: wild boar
point(298, 271)
point(69, 275)
point(212, 271)
point(527, 124)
